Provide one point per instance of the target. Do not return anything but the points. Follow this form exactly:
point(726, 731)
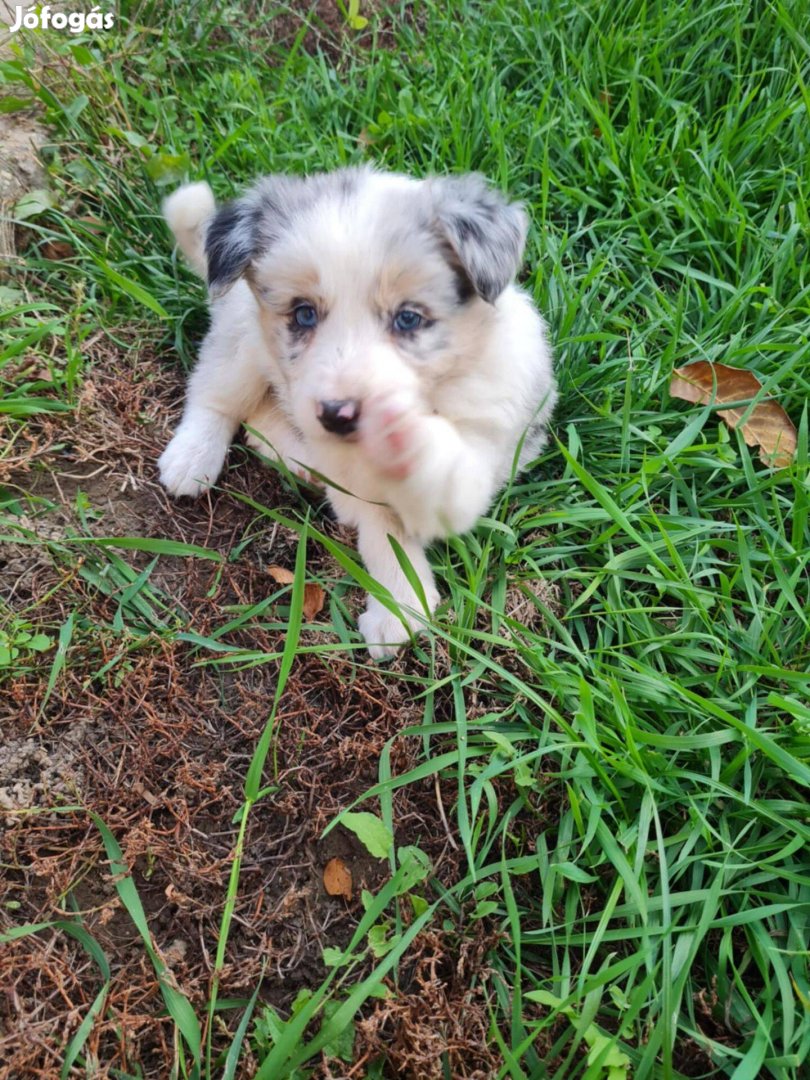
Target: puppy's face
point(368, 284)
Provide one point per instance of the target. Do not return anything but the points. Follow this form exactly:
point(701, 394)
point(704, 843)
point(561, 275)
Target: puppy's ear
point(485, 232)
point(245, 229)
point(231, 242)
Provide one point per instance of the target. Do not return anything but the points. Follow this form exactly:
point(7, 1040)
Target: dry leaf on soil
point(767, 426)
point(281, 575)
point(337, 879)
point(56, 250)
point(314, 596)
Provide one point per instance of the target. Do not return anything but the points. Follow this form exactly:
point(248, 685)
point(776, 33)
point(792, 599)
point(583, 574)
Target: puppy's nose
point(339, 417)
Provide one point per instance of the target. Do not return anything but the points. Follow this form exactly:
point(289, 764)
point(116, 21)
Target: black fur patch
point(465, 290)
point(231, 243)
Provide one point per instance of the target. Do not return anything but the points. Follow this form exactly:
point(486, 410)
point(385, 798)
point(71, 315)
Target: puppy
point(365, 326)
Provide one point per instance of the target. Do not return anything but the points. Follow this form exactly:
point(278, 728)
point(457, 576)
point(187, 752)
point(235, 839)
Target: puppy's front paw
point(392, 433)
point(189, 464)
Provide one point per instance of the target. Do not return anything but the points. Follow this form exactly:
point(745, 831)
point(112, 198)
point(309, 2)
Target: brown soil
point(158, 744)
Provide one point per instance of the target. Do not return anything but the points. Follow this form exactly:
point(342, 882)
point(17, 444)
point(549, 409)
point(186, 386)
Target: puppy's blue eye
point(305, 316)
point(406, 321)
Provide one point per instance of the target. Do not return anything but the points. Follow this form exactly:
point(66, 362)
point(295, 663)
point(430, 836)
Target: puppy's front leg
point(222, 391)
point(381, 629)
point(194, 458)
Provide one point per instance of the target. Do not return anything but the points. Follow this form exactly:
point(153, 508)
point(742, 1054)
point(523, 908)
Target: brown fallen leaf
point(767, 426)
point(314, 598)
point(56, 250)
point(281, 575)
point(337, 879)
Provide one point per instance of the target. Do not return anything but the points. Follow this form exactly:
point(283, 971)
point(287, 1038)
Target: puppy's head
point(366, 282)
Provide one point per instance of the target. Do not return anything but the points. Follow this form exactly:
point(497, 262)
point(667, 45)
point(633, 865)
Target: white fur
point(442, 414)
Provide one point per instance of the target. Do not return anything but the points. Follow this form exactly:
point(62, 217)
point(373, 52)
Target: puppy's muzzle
point(339, 417)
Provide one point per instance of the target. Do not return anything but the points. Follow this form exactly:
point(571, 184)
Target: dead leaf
point(176, 952)
point(314, 598)
point(281, 575)
point(337, 879)
point(767, 426)
point(56, 250)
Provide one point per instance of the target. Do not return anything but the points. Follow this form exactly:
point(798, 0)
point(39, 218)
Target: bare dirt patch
point(33, 774)
point(20, 139)
point(158, 745)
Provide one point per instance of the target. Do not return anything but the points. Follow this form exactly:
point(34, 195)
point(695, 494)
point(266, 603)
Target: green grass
point(662, 150)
